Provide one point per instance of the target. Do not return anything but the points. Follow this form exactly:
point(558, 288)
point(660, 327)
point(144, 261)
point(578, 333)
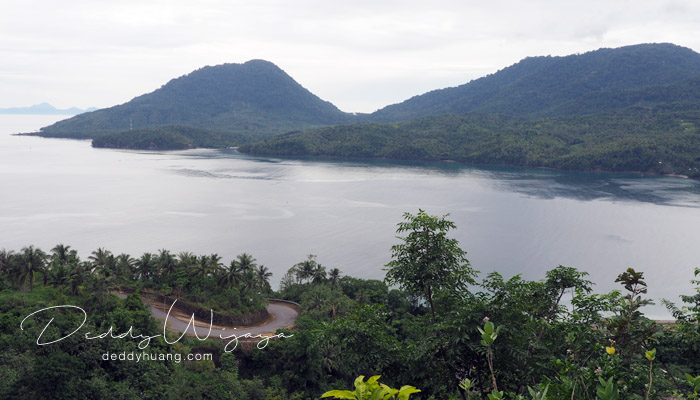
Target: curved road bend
point(282, 315)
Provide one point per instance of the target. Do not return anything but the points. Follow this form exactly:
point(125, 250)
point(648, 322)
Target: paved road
point(282, 315)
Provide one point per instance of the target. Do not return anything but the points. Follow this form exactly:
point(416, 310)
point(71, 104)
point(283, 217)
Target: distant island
point(634, 108)
point(44, 109)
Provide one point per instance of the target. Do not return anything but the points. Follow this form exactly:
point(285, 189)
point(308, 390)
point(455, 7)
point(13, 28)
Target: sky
point(360, 55)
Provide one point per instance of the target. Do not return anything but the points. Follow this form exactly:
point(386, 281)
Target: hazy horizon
point(360, 56)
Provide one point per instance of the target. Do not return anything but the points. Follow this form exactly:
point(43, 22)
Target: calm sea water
point(510, 220)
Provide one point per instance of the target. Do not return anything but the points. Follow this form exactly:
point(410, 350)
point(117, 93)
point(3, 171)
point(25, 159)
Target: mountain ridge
point(255, 98)
point(635, 108)
point(536, 85)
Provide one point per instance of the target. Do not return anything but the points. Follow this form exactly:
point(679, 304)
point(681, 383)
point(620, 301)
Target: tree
point(5, 259)
point(29, 262)
point(100, 259)
point(305, 269)
point(319, 274)
point(333, 277)
point(263, 278)
point(99, 286)
point(145, 266)
point(229, 276)
point(428, 261)
point(204, 267)
point(61, 254)
point(167, 264)
point(372, 389)
point(125, 265)
point(246, 262)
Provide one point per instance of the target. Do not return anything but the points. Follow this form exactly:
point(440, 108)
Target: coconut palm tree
point(101, 259)
point(100, 285)
point(333, 277)
point(125, 267)
point(59, 276)
point(248, 278)
point(167, 263)
point(145, 266)
point(29, 262)
point(215, 261)
point(77, 275)
point(203, 267)
point(246, 262)
point(186, 259)
point(5, 261)
point(305, 269)
point(318, 276)
point(263, 278)
point(61, 254)
point(230, 275)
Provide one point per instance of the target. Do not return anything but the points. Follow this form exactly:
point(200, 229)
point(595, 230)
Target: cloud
point(103, 53)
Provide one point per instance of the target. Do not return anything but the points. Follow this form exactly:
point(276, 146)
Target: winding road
point(282, 315)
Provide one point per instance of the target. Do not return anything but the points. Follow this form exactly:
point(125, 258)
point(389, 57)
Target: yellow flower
point(610, 350)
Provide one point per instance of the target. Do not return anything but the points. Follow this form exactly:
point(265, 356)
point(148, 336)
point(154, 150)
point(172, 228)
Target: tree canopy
point(427, 260)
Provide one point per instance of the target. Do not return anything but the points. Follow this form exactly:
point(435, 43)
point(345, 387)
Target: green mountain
point(596, 81)
point(635, 108)
point(653, 140)
point(256, 99)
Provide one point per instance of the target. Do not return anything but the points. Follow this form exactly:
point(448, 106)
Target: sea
point(510, 220)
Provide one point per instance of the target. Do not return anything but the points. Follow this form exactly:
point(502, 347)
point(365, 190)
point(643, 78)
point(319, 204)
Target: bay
point(511, 220)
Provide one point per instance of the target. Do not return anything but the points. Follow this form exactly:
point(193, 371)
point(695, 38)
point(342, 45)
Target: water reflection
point(531, 182)
point(668, 191)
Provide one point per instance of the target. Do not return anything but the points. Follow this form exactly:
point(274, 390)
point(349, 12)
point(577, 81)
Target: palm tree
point(29, 262)
point(101, 259)
point(167, 264)
point(215, 263)
point(186, 259)
point(145, 266)
point(61, 254)
point(333, 277)
point(5, 260)
point(246, 262)
point(100, 285)
point(305, 269)
point(331, 359)
point(59, 276)
point(230, 275)
point(124, 266)
point(248, 279)
point(77, 274)
point(202, 268)
point(263, 278)
point(318, 276)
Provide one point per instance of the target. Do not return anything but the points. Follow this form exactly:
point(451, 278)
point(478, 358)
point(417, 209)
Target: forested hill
point(256, 98)
point(604, 79)
point(657, 140)
point(525, 114)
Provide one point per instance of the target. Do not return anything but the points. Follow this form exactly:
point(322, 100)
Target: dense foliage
point(255, 99)
point(601, 80)
point(168, 138)
point(498, 338)
point(656, 140)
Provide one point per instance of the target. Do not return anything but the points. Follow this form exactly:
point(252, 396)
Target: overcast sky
point(359, 55)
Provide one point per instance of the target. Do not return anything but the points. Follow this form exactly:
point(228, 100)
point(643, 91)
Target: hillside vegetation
point(256, 98)
point(604, 79)
point(634, 108)
point(643, 140)
point(434, 323)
